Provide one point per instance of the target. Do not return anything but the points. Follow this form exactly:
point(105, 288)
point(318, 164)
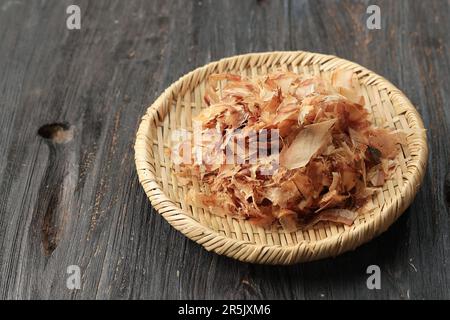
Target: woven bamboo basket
point(239, 239)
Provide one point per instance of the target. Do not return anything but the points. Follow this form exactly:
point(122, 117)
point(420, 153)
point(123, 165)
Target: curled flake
point(306, 144)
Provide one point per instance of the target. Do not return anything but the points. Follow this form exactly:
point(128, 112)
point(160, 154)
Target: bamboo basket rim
point(303, 250)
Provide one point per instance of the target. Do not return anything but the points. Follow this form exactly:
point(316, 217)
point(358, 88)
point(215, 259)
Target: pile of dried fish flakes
point(318, 157)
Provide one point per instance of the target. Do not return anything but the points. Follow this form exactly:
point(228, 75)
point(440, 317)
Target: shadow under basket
point(238, 239)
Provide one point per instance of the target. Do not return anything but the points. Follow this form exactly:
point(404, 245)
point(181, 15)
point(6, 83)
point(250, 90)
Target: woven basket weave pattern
point(238, 239)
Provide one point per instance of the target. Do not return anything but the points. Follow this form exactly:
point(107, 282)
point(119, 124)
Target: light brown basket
point(239, 239)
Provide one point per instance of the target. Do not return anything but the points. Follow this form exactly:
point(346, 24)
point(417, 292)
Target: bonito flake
point(286, 148)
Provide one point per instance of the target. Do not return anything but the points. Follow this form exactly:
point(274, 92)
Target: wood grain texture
point(80, 203)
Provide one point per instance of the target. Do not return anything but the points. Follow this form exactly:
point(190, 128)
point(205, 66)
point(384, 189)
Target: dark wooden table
point(80, 202)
